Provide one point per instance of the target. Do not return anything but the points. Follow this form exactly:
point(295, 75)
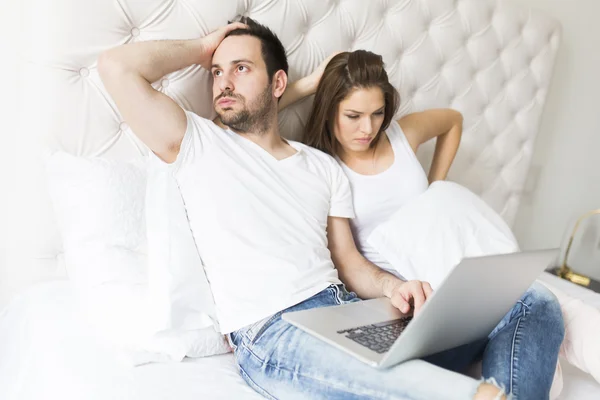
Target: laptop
point(466, 307)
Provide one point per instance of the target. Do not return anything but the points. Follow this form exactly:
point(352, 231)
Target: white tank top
point(377, 197)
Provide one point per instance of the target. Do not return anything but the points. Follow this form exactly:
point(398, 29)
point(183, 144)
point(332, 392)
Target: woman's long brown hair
point(346, 72)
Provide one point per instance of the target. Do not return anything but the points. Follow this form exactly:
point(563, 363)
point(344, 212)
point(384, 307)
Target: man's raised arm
point(127, 72)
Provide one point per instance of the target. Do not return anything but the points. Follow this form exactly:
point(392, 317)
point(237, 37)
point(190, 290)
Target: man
point(270, 218)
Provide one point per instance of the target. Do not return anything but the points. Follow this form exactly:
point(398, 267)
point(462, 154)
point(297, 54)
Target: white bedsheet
point(45, 353)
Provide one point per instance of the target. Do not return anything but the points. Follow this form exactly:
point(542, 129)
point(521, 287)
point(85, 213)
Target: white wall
point(566, 160)
point(9, 128)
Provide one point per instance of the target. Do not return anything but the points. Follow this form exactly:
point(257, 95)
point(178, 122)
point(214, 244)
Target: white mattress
point(45, 353)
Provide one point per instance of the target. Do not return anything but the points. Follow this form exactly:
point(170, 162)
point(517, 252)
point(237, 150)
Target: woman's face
point(358, 119)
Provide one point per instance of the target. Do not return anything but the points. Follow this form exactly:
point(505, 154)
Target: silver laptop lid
point(469, 303)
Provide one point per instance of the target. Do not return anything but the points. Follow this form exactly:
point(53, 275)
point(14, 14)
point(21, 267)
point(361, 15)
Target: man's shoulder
point(316, 154)
point(204, 130)
point(201, 121)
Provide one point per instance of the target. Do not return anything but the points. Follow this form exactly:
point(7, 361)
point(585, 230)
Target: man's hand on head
point(411, 294)
point(211, 41)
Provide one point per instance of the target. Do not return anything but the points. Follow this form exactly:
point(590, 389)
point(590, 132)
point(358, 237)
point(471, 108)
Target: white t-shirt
point(377, 197)
point(259, 223)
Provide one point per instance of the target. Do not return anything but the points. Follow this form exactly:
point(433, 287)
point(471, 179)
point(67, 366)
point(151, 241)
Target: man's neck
point(269, 140)
point(272, 142)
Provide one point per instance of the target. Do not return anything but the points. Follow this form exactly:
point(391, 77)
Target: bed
point(48, 353)
point(491, 60)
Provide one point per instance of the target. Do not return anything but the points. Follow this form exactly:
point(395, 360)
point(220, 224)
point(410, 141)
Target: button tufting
point(453, 38)
point(440, 64)
point(523, 28)
point(412, 91)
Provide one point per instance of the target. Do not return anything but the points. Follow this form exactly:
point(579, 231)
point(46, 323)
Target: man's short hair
point(272, 49)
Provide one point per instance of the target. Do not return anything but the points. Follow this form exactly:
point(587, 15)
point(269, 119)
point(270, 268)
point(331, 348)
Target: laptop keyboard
point(377, 337)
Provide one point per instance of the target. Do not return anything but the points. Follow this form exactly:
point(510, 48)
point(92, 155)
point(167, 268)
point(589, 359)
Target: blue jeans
point(280, 361)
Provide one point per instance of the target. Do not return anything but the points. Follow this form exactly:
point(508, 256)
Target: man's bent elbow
point(108, 65)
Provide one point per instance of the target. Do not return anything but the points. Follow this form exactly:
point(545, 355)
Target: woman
point(352, 120)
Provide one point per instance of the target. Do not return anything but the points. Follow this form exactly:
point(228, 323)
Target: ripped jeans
point(280, 361)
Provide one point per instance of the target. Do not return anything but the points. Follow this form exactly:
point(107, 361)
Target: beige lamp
point(565, 271)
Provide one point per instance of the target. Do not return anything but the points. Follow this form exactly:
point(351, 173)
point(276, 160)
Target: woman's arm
point(443, 124)
point(304, 87)
point(365, 278)
point(298, 90)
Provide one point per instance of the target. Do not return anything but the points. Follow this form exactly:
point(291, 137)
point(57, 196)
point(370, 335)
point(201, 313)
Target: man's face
point(242, 92)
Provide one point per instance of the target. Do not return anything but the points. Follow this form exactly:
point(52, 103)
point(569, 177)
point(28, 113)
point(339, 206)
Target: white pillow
point(100, 210)
point(431, 234)
point(177, 279)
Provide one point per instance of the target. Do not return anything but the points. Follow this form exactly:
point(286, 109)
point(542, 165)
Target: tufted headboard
point(491, 60)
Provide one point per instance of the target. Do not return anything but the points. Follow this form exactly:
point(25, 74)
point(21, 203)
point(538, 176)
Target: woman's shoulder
point(395, 133)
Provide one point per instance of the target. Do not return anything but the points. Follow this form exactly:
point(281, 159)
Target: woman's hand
point(314, 78)
point(411, 294)
point(304, 87)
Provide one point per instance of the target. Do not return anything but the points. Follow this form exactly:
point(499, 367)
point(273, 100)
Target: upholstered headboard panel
point(492, 60)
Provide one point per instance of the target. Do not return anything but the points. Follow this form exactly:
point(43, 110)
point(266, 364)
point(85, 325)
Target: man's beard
point(254, 119)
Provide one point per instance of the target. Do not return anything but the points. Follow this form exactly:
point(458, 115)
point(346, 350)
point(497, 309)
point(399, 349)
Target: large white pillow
point(178, 283)
point(432, 233)
point(101, 214)
point(99, 208)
